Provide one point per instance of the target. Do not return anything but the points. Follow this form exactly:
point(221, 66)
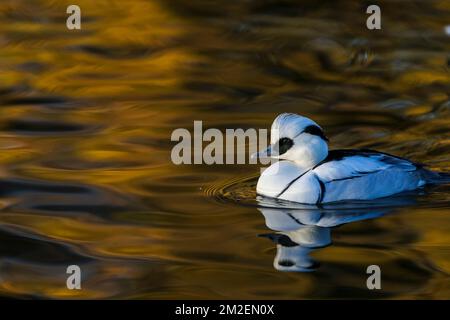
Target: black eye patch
point(278, 238)
point(286, 263)
point(316, 131)
point(284, 144)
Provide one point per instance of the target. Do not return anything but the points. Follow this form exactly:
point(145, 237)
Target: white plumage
point(308, 173)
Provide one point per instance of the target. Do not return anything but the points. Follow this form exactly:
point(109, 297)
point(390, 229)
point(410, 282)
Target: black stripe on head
point(316, 131)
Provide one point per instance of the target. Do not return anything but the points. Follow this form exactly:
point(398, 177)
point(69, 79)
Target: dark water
point(85, 124)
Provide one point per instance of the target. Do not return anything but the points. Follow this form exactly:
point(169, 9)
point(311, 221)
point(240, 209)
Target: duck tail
point(432, 177)
point(444, 177)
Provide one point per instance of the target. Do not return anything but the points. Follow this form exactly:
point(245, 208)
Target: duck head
point(298, 139)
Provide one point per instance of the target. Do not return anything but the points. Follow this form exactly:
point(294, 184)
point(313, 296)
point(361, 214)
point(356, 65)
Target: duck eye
point(284, 144)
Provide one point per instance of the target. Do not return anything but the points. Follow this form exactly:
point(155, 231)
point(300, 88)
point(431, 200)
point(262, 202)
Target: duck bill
point(264, 154)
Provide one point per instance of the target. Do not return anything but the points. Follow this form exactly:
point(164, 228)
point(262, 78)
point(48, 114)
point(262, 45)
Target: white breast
point(287, 181)
point(275, 178)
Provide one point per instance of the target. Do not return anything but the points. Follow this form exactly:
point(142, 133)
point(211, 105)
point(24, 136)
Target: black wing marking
point(322, 190)
point(339, 154)
point(290, 183)
point(358, 174)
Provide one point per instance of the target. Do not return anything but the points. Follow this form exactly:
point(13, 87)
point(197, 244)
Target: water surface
point(85, 124)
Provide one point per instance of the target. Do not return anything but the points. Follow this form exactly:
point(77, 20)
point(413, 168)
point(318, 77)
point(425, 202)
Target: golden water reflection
point(85, 124)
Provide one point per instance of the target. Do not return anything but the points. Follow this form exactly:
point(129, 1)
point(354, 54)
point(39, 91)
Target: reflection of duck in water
point(299, 232)
point(294, 247)
point(309, 173)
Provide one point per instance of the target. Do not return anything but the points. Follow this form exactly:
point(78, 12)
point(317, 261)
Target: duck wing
point(365, 174)
point(355, 163)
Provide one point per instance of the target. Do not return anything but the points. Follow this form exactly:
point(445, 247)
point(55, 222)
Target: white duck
point(308, 173)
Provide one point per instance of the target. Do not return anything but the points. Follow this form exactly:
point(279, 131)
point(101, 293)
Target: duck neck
point(310, 158)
